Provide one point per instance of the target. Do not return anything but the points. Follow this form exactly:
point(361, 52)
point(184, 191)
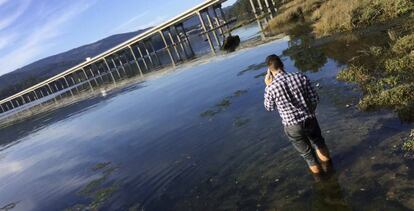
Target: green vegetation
point(240, 121)
point(409, 143)
point(387, 82)
point(331, 16)
point(337, 15)
point(222, 105)
point(294, 11)
point(243, 11)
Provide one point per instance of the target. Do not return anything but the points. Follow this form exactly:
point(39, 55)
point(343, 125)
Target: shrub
point(409, 143)
point(338, 15)
point(400, 65)
point(294, 11)
point(404, 45)
point(353, 74)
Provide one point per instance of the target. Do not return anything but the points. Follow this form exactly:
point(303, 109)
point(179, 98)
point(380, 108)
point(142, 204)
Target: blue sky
point(34, 29)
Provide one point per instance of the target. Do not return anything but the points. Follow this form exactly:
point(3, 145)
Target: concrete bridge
point(140, 54)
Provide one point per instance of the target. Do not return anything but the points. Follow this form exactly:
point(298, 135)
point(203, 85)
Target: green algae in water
point(209, 113)
point(260, 75)
point(253, 67)
point(239, 93)
point(100, 166)
point(95, 190)
point(92, 186)
point(222, 105)
point(240, 121)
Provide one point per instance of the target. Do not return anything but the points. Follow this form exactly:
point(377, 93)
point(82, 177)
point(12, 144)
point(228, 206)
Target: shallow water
point(198, 138)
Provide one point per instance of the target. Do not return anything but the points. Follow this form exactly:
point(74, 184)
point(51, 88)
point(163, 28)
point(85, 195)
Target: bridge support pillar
point(257, 18)
point(148, 53)
point(99, 72)
point(206, 32)
point(56, 87)
point(35, 94)
point(116, 68)
point(135, 60)
point(269, 8)
point(87, 78)
point(127, 60)
point(51, 92)
point(50, 89)
point(187, 39)
point(23, 100)
point(223, 17)
point(93, 75)
point(74, 83)
point(41, 92)
point(180, 42)
point(174, 45)
point(262, 11)
point(121, 64)
point(142, 56)
point(167, 47)
point(216, 19)
point(212, 28)
point(67, 85)
point(154, 51)
point(109, 70)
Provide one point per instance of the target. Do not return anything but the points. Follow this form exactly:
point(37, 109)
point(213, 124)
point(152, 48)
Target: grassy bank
point(332, 16)
point(385, 72)
point(409, 143)
point(387, 82)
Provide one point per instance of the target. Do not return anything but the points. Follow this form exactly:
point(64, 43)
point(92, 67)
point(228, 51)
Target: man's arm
point(312, 95)
point(269, 98)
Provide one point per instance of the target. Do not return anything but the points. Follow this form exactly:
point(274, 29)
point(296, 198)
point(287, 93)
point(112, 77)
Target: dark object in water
point(231, 43)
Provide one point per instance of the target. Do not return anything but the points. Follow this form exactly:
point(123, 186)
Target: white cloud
point(42, 39)
point(7, 40)
point(128, 25)
point(10, 19)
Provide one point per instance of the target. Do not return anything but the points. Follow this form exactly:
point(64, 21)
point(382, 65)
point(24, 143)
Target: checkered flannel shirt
point(293, 96)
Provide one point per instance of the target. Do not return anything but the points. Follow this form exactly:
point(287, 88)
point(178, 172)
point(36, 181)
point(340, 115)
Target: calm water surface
point(198, 138)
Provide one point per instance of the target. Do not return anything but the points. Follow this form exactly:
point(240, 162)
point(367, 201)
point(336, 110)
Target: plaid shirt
point(293, 96)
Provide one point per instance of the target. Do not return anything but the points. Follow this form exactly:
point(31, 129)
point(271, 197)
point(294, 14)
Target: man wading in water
point(295, 99)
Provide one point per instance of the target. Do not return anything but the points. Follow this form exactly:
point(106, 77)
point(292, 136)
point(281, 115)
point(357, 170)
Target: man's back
point(293, 96)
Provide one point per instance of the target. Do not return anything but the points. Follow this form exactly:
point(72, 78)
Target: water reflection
point(301, 52)
point(310, 53)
